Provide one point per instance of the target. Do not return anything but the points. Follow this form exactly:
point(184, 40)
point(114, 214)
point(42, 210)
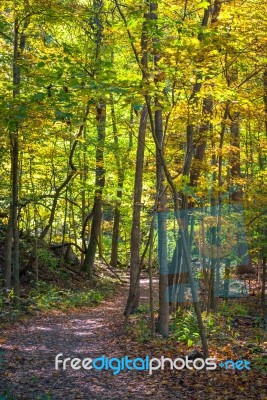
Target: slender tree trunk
point(164, 313)
point(264, 258)
point(134, 291)
point(265, 96)
point(8, 257)
point(150, 272)
point(88, 263)
point(263, 294)
point(163, 317)
point(120, 171)
point(14, 213)
point(12, 253)
point(89, 259)
point(36, 246)
point(116, 232)
point(202, 141)
point(83, 179)
point(235, 158)
point(236, 193)
point(121, 166)
point(63, 256)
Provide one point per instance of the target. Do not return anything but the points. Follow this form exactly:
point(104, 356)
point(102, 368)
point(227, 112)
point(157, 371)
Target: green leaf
point(190, 342)
point(204, 4)
point(40, 64)
point(39, 96)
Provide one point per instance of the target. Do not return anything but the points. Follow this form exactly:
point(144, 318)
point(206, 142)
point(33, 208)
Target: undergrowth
point(184, 326)
point(48, 296)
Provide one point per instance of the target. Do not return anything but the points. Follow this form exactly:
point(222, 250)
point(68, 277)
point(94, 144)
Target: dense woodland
point(118, 120)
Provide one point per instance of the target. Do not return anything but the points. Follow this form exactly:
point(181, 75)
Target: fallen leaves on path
point(28, 352)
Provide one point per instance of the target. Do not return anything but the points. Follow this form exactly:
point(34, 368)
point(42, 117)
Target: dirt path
point(29, 348)
point(29, 356)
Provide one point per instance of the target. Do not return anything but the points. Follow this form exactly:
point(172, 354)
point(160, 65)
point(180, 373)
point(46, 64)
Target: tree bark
point(12, 253)
point(8, 257)
point(134, 291)
point(89, 259)
point(263, 295)
point(121, 165)
point(265, 97)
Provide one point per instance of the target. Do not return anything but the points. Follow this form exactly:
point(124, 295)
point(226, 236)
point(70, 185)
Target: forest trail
point(28, 350)
point(31, 346)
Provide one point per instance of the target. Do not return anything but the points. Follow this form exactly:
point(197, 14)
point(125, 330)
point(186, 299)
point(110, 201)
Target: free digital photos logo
point(148, 363)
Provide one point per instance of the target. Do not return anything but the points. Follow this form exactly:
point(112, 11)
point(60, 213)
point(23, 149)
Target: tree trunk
point(14, 213)
point(12, 254)
point(89, 259)
point(120, 164)
point(8, 257)
point(236, 195)
point(264, 260)
point(134, 291)
point(164, 313)
point(150, 272)
point(116, 231)
point(265, 97)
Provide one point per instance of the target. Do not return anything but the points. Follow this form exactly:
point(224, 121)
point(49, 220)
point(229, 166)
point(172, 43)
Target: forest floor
point(29, 348)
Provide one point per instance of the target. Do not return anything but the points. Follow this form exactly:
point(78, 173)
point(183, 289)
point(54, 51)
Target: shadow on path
point(29, 356)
